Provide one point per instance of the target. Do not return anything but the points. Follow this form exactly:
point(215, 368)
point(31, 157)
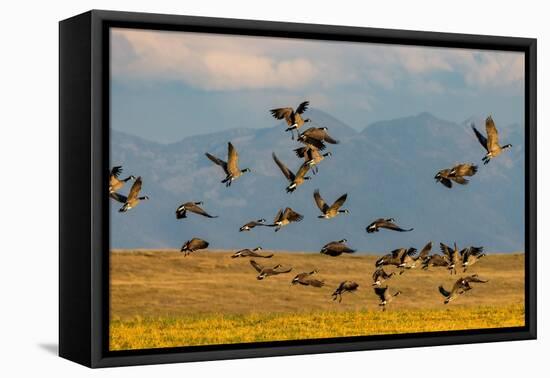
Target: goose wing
point(381, 292)
point(446, 182)
point(444, 292)
point(460, 180)
point(327, 138)
point(197, 243)
point(446, 250)
point(277, 271)
point(398, 253)
point(392, 226)
point(118, 197)
point(424, 252)
point(301, 152)
point(339, 202)
point(217, 161)
point(292, 216)
point(492, 134)
point(321, 204)
point(475, 278)
point(302, 171)
point(302, 107)
point(482, 140)
point(464, 169)
point(116, 171)
point(198, 210)
point(256, 266)
point(281, 113)
point(232, 159)
point(286, 172)
point(279, 216)
point(134, 191)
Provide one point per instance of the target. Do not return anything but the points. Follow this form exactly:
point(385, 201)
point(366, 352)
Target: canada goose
point(295, 180)
point(292, 117)
point(315, 136)
point(306, 280)
point(395, 257)
point(388, 223)
point(193, 245)
point(132, 200)
point(456, 174)
point(380, 276)
point(336, 248)
point(470, 256)
point(344, 287)
point(312, 156)
point(491, 142)
point(181, 211)
point(332, 210)
point(250, 225)
point(453, 256)
point(116, 183)
point(231, 167)
point(251, 253)
point(435, 261)
point(385, 296)
point(284, 218)
point(409, 261)
point(264, 272)
point(460, 287)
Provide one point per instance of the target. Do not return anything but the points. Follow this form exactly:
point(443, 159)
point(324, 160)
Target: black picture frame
point(83, 166)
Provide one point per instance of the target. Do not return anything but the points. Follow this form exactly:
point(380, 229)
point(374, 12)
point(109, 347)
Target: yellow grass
point(162, 299)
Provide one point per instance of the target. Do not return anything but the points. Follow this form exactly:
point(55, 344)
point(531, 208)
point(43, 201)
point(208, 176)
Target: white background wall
point(29, 189)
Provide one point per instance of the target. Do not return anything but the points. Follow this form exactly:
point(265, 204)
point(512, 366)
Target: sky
point(166, 86)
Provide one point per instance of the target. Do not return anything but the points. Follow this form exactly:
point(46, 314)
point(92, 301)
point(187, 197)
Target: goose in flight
point(193, 245)
point(306, 280)
point(461, 286)
point(385, 296)
point(250, 225)
point(333, 210)
point(388, 224)
point(470, 256)
point(312, 156)
point(294, 180)
point(284, 218)
point(316, 136)
point(456, 174)
point(231, 167)
point(193, 207)
point(395, 257)
point(115, 182)
point(490, 143)
point(344, 287)
point(380, 276)
point(336, 248)
point(251, 253)
point(133, 197)
point(264, 272)
point(292, 117)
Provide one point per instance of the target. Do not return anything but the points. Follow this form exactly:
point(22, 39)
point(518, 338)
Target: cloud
point(230, 63)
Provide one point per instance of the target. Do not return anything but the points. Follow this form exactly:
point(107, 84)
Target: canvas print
point(270, 189)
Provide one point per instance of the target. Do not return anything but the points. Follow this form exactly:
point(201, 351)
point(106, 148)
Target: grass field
point(162, 299)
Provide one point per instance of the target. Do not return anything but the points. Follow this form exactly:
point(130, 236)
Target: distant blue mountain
point(387, 171)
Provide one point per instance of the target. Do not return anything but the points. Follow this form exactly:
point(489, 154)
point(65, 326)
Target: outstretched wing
point(460, 180)
point(446, 250)
point(198, 210)
point(302, 107)
point(116, 171)
point(279, 216)
point(327, 138)
point(321, 204)
point(302, 171)
point(288, 174)
point(393, 226)
point(301, 152)
point(232, 159)
point(281, 113)
point(339, 202)
point(424, 252)
point(475, 278)
point(464, 170)
point(492, 134)
point(482, 140)
point(292, 216)
point(217, 161)
point(256, 266)
point(134, 191)
point(398, 253)
point(315, 283)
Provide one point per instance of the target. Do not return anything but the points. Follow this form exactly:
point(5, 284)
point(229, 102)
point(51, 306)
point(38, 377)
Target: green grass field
point(162, 299)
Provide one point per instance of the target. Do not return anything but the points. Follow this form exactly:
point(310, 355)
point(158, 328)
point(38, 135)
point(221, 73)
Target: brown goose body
point(344, 287)
point(435, 261)
point(470, 256)
point(333, 210)
point(316, 136)
point(231, 167)
point(264, 272)
point(293, 118)
point(336, 248)
point(490, 143)
point(380, 276)
point(395, 257)
point(193, 245)
point(453, 256)
point(312, 156)
point(410, 261)
point(388, 224)
point(115, 182)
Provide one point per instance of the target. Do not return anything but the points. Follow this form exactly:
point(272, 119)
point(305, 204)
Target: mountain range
point(387, 169)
